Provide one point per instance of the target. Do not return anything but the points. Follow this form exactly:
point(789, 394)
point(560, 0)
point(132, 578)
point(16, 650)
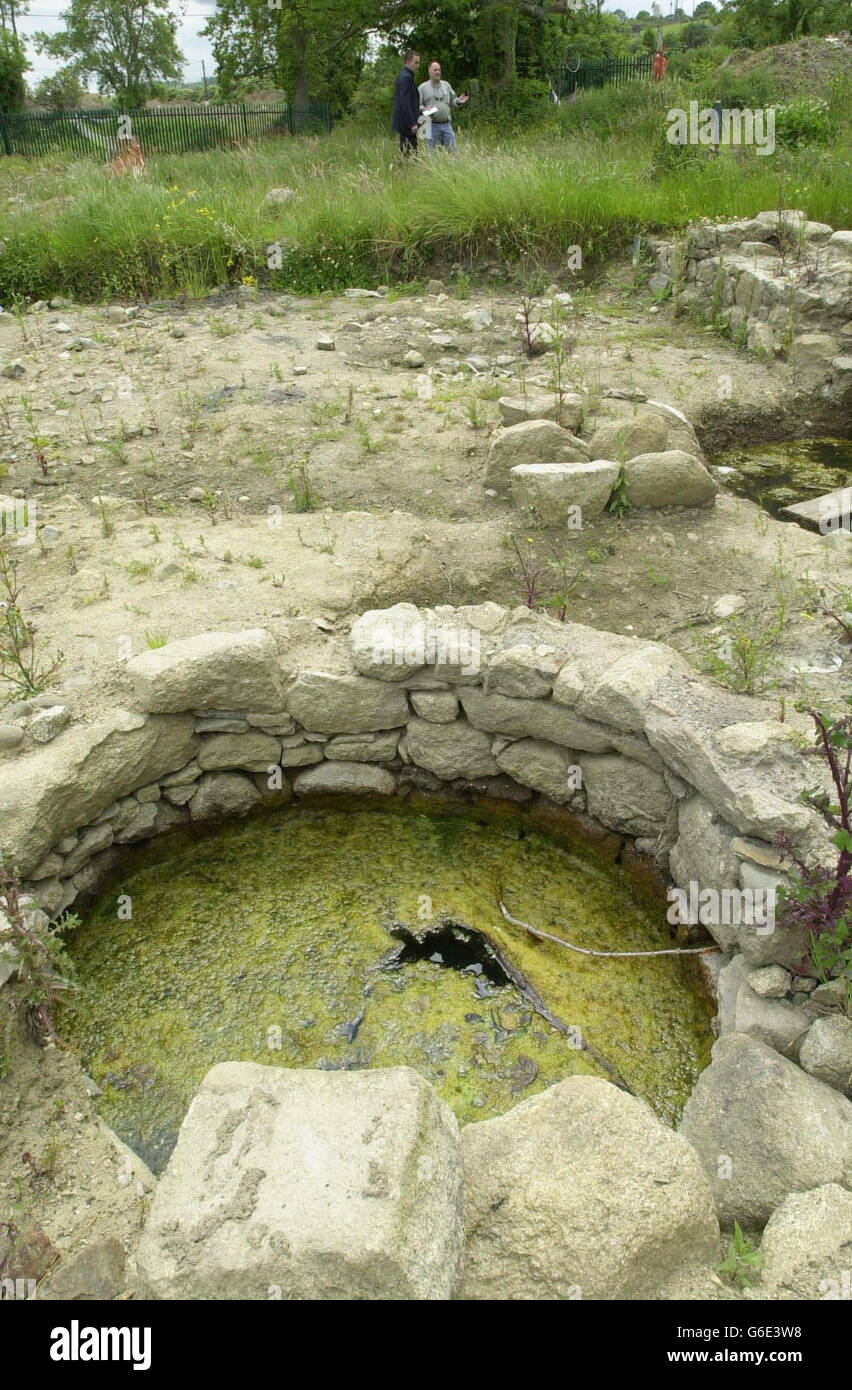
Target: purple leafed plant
point(820, 900)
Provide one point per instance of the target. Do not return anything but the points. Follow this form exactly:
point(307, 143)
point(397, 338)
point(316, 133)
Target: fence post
point(7, 148)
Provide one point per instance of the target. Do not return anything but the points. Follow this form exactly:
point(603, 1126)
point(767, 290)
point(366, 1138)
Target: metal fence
point(159, 130)
point(611, 72)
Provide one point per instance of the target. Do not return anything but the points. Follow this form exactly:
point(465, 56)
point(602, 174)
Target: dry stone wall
point(780, 284)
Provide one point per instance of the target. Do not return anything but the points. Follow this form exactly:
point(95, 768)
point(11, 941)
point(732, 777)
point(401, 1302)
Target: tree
point(127, 45)
point(62, 91)
point(13, 65)
point(693, 34)
point(10, 13)
point(649, 40)
point(705, 10)
point(304, 46)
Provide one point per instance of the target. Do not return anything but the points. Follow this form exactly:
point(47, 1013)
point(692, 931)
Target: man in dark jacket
point(406, 104)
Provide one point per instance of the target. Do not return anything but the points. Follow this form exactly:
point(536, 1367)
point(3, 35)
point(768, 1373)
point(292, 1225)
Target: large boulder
point(544, 767)
point(811, 355)
point(777, 1022)
point(581, 1192)
point(214, 670)
point(308, 1185)
point(341, 704)
point(533, 441)
point(525, 672)
point(703, 852)
point(713, 741)
point(806, 1246)
point(57, 788)
point(615, 689)
point(253, 751)
point(554, 491)
point(499, 714)
point(643, 433)
point(626, 795)
point(763, 1128)
point(389, 643)
point(450, 750)
point(223, 794)
point(344, 778)
point(426, 646)
point(671, 478)
point(827, 1051)
point(568, 412)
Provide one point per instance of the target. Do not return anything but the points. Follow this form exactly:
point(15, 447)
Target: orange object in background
point(659, 65)
point(129, 159)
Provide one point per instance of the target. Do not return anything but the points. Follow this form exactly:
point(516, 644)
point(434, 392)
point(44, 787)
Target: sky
point(44, 16)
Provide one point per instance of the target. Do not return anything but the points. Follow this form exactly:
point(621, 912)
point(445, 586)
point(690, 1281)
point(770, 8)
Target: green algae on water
point(268, 940)
point(777, 475)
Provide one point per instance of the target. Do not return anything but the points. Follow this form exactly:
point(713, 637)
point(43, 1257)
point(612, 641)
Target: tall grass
point(200, 220)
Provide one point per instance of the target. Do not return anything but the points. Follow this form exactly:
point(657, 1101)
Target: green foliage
point(126, 44)
point(695, 35)
point(806, 122)
point(831, 953)
point(305, 497)
point(63, 90)
point(200, 220)
point(43, 965)
point(819, 900)
point(759, 23)
point(22, 667)
point(314, 49)
point(742, 1261)
point(741, 654)
point(619, 500)
point(523, 102)
point(13, 65)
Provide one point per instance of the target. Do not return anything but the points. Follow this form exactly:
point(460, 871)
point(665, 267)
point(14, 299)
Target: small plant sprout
point(21, 666)
point(820, 899)
point(43, 964)
point(305, 497)
point(529, 570)
point(619, 498)
point(742, 1262)
point(38, 441)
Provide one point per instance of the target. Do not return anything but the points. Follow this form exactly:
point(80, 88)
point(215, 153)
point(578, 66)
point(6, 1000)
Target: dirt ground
point(166, 454)
point(804, 67)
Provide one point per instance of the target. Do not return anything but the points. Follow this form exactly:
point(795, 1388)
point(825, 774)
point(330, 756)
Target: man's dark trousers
point(406, 111)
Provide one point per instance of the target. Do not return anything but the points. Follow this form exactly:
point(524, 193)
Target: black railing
point(159, 130)
point(610, 72)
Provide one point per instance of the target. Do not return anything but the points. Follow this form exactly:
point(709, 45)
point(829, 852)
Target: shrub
point(803, 123)
point(820, 900)
point(13, 65)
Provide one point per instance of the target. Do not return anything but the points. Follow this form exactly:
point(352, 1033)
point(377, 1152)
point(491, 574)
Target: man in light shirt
point(439, 95)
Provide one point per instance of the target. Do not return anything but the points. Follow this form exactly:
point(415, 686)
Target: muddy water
point(777, 475)
point(292, 939)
